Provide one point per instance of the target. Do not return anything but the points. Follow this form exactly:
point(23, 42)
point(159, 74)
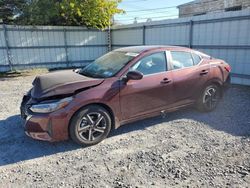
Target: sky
point(163, 9)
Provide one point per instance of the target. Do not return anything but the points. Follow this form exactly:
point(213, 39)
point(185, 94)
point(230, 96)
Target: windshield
point(107, 65)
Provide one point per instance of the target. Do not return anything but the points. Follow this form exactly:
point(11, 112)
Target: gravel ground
point(185, 149)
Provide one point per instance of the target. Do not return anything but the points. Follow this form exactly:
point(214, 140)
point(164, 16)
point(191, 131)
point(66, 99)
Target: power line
point(193, 3)
point(143, 13)
point(161, 12)
point(133, 1)
point(143, 10)
point(153, 10)
point(143, 18)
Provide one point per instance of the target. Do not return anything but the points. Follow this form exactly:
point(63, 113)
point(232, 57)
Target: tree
point(91, 13)
point(10, 9)
point(41, 12)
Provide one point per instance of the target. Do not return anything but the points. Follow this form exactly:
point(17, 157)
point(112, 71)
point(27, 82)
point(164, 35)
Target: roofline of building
point(189, 3)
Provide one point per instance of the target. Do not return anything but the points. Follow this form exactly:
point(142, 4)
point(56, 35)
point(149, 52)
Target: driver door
point(150, 94)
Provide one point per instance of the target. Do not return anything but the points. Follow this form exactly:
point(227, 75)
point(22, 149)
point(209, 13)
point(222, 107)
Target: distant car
point(123, 86)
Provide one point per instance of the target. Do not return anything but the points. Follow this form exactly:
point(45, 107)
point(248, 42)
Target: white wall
point(46, 46)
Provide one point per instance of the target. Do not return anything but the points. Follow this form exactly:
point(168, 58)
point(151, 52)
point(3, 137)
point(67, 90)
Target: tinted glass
point(181, 59)
point(196, 59)
point(151, 64)
point(107, 65)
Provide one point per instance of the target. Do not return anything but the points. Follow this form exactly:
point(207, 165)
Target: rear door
point(150, 94)
point(189, 75)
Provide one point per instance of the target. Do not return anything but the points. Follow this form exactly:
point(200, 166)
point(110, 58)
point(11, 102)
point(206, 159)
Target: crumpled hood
point(61, 83)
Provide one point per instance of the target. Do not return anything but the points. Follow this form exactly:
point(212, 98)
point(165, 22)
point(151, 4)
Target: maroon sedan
point(123, 86)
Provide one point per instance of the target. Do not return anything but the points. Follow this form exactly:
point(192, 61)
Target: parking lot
point(186, 148)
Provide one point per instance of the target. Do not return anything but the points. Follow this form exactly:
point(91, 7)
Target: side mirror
point(134, 75)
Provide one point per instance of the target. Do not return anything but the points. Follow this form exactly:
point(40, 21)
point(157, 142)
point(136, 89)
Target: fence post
point(144, 35)
point(7, 47)
point(109, 39)
point(190, 34)
point(66, 46)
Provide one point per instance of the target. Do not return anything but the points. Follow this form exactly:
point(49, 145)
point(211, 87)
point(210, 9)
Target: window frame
point(167, 60)
point(200, 14)
point(233, 8)
point(198, 56)
point(191, 53)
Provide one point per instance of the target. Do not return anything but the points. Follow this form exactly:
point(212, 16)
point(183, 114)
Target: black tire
point(90, 125)
point(209, 98)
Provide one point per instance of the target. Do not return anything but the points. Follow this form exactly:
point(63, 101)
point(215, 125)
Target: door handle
point(165, 81)
point(203, 72)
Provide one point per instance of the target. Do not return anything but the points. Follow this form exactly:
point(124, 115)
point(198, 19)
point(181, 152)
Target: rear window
point(203, 55)
point(196, 58)
point(181, 59)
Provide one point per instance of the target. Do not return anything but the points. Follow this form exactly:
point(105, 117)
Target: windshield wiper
point(85, 74)
point(90, 74)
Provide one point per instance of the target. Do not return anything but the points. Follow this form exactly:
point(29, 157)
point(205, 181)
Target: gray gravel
point(185, 149)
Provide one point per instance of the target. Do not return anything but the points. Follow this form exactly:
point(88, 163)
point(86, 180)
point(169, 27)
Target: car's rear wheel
point(90, 125)
point(209, 98)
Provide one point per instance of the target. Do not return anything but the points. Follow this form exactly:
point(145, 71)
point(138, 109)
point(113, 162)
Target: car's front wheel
point(90, 125)
point(209, 98)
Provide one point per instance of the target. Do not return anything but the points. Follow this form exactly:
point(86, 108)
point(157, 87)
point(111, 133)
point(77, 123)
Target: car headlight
point(51, 106)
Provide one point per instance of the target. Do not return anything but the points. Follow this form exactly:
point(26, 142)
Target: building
point(201, 7)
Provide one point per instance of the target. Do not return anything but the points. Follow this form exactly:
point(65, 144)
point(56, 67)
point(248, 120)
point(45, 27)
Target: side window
point(151, 64)
point(196, 59)
point(181, 59)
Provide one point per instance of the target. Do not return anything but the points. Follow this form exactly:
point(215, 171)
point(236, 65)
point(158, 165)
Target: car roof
point(140, 49)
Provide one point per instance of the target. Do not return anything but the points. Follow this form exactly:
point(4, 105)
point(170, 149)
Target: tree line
point(90, 13)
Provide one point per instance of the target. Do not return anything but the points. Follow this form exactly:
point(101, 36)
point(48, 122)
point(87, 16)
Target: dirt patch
point(185, 149)
point(15, 74)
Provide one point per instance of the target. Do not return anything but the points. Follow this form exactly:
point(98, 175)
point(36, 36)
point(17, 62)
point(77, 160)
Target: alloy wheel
point(92, 126)
point(210, 98)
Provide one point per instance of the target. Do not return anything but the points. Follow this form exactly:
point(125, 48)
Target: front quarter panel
point(106, 93)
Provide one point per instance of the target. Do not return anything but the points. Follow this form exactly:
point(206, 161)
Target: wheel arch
point(105, 106)
point(217, 82)
point(110, 111)
point(212, 82)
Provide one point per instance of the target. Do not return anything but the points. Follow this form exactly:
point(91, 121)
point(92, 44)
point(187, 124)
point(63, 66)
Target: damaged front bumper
point(47, 127)
point(38, 128)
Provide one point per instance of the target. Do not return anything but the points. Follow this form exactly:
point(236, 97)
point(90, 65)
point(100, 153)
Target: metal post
point(144, 35)
point(7, 47)
point(109, 40)
point(66, 46)
point(190, 33)
point(109, 37)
